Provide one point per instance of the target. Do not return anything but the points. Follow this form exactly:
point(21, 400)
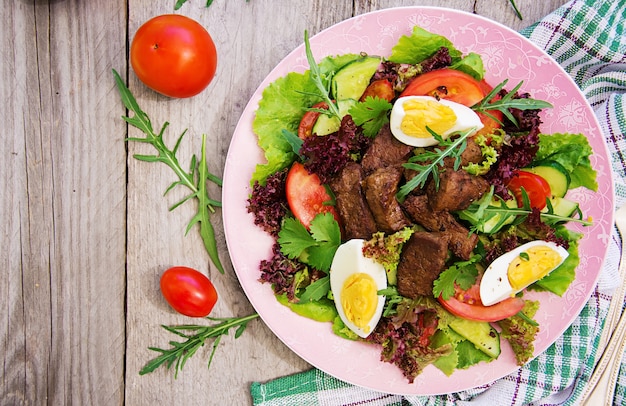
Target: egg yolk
point(359, 299)
point(420, 114)
point(532, 265)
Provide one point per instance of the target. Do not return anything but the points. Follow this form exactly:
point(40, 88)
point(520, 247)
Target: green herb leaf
point(316, 248)
point(461, 273)
point(323, 86)
point(498, 214)
point(508, 102)
point(294, 238)
point(517, 12)
point(195, 179)
point(180, 352)
point(316, 290)
point(371, 114)
point(433, 160)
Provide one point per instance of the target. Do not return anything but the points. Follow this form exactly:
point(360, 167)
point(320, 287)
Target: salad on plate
point(413, 204)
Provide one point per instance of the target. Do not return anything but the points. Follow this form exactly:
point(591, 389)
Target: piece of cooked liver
point(380, 190)
point(384, 151)
point(457, 190)
point(423, 258)
point(460, 241)
point(356, 217)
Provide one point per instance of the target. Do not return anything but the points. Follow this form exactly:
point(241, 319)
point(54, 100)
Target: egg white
point(349, 260)
point(466, 119)
point(495, 286)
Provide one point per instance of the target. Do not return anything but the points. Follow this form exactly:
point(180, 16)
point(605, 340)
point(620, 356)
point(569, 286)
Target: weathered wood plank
point(64, 204)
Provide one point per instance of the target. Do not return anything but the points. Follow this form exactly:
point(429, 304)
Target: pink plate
point(506, 54)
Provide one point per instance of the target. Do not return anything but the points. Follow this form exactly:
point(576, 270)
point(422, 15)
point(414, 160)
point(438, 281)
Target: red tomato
point(305, 129)
point(306, 195)
point(381, 88)
point(447, 84)
point(188, 291)
point(173, 55)
point(536, 187)
point(467, 304)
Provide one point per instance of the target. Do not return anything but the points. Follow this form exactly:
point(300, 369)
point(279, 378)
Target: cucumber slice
point(326, 124)
point(481, 334)
point(555, 174)
point(563, 207)
point(351, 81)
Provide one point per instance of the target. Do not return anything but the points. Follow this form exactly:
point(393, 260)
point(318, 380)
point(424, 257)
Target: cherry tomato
point(381, 88)
point(306, 195)
point(536, 187)
point(173, 55)
point(447, 84)
point(467, 304)
point(188, 291)
point(305, 129)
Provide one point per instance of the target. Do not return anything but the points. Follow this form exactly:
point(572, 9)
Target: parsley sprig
point(180, 352)
point(371, 114)
point(462, 273)
point(507, 102)
point(429, 162)
point(315, 248)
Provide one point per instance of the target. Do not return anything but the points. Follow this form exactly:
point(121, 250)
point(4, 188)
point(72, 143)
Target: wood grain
point(86, 232)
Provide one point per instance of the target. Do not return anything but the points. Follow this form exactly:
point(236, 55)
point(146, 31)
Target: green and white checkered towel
point(587, 38)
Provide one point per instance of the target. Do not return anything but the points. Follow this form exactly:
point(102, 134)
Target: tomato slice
point(305, 129)
point(449, 84)
point(536, 187)
point(306, 195)
point(467, 304)
point(381, 88)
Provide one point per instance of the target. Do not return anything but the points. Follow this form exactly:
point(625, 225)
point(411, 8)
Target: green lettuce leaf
point(280, 109)
point(472, 64)
point(558, 280)
point(420, 45)
point(572, 151)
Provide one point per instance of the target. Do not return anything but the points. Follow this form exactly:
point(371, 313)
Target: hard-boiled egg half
point(355, 281)
point(411, 115)
point(512, 272)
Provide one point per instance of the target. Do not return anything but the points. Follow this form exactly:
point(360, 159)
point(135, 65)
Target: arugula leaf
point(321, 81)
point(508, 102)
point(433, 160)
point(316, 248)
point(489, 215)
point(462, 273)
point(371, 114)
point(316, 290)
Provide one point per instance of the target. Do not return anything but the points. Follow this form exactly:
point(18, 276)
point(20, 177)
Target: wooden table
point(86, 230)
